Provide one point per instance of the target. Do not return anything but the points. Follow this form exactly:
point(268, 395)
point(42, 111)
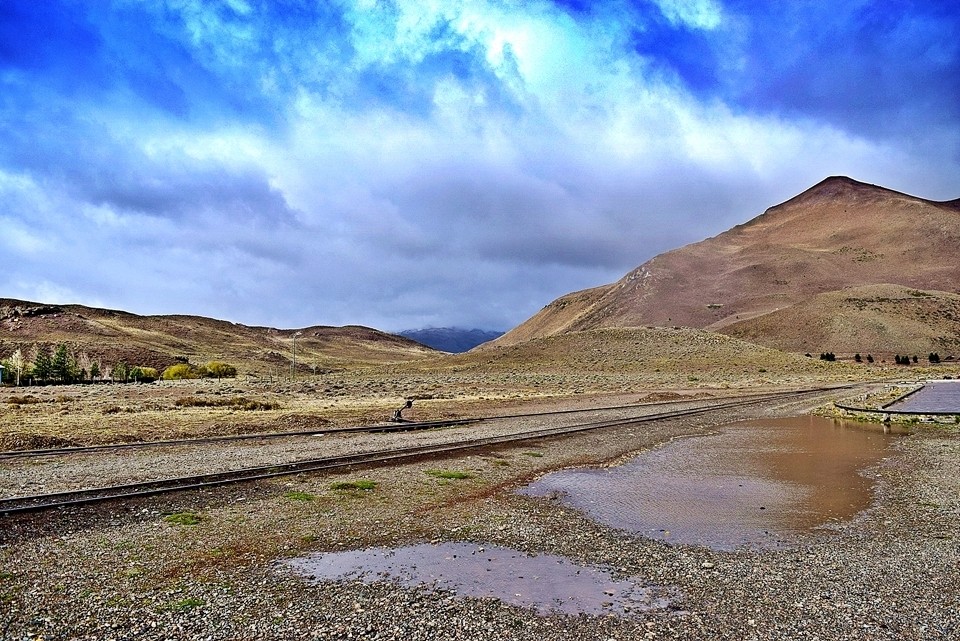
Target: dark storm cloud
point(885, 68)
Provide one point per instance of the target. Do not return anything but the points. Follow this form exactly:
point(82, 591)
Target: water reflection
point(545, 582)
point(757, 483)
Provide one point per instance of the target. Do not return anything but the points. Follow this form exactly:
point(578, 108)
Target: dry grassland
point(610, 365)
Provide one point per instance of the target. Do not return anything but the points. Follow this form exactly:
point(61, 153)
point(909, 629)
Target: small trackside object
point(398, 414)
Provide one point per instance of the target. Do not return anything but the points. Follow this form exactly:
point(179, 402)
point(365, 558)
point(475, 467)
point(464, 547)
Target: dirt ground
point(210, 564)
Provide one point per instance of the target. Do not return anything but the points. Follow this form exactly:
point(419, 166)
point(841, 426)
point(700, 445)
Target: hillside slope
point(869, 320)
point(840, 233)
point(158, 341)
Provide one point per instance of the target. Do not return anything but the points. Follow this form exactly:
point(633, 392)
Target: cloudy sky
point(408, 163)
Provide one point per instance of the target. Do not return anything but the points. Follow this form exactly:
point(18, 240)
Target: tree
point(221, 370)
point(857, 357)
point(94, 370)
point(146, 374)
point(60, 364)
point(16, 364)
point(869, 358)
point(85, 365)
point(42, 366)
point(934, 357)
point(914, 358)
point(178, 372)
point(121, 372)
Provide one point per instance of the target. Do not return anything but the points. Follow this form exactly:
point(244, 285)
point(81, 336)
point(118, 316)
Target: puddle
point(757, 483)
point(935, 397)
point(545, 583)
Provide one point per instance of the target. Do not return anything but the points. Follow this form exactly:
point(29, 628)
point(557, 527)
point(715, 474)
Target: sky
point(405, 164)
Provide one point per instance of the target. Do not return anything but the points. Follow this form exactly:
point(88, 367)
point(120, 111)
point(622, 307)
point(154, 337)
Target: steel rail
point(386, 427)
point(359, 429)
point(24, 504)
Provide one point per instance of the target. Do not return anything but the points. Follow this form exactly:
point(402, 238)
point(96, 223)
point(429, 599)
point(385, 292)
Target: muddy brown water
point(545, 583)
point(761, 484)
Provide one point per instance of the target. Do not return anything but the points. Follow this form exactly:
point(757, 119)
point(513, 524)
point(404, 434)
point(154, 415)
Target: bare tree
point(16, 362)
point(84, 364)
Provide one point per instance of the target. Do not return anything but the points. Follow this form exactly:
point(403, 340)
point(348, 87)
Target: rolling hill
point(839, 234)
point(158, 341)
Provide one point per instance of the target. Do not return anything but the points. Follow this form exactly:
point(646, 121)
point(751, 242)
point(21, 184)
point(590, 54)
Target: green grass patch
point(360, 484)
point(297, 495)
point(448, 474)
point(186, 604)
point(183, 518)
point(534, 454)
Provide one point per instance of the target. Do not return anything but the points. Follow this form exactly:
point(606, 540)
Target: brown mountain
point(158, 341)
point(838, 234)
point(881, 320)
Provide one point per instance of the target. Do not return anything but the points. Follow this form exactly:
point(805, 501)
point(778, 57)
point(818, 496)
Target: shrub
point(180, 371)
point(220, 370)
point(236, 402)
point(145, 374)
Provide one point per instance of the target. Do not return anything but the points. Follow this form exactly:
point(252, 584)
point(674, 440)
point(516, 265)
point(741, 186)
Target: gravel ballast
point(129, 571)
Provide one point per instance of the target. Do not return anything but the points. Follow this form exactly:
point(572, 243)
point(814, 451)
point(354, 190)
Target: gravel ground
point(127, 572)
point(40, 474)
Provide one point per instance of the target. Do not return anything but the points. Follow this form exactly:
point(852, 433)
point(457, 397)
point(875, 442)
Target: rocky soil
point(208, 565)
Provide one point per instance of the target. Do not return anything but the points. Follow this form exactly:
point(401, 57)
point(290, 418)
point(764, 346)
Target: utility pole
point(293, 367)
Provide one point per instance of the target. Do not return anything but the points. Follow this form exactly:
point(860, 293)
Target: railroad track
point(406, 426)
point(41, 502)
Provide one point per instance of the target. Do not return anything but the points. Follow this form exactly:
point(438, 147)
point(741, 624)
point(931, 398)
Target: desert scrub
point(183, 518)
point(29, 399)
point(297, 495)
point(236, 402)
point(360, 484)
point(447, 474)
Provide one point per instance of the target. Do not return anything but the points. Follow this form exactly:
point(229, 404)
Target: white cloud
point(542, 156)
point(697, 14)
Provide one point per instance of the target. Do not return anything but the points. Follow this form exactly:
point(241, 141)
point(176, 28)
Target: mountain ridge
point(839, 233)
point(454, 340)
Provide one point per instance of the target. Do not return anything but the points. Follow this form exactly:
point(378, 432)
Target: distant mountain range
point(450, 339)
point(842, 267)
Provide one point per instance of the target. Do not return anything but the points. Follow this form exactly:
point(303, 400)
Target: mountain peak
point(837, 234)
point(833, 188)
